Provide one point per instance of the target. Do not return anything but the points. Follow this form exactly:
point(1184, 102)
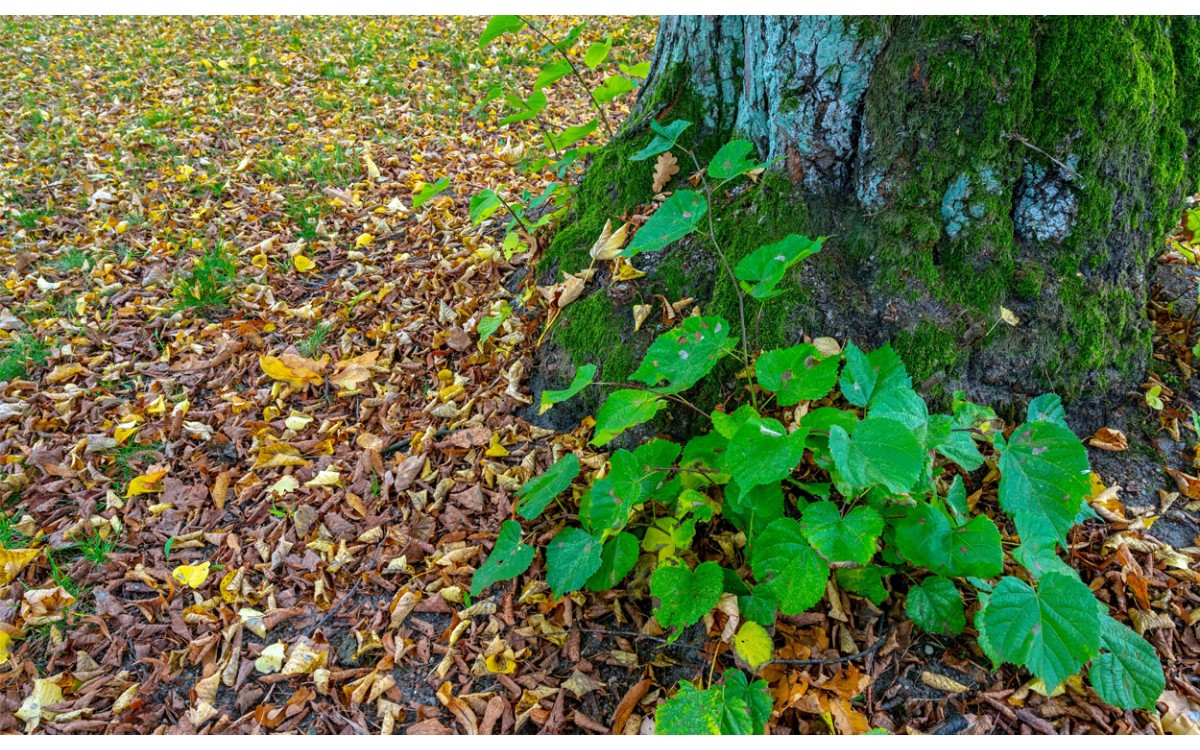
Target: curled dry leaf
point(608, 245)
point(1108, 439)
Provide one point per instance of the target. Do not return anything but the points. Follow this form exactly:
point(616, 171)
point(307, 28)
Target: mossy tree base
point(958, 166)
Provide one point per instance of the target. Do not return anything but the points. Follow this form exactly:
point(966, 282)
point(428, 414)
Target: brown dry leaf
point(1108, 439)
point(942, 682)
point(664, 169)
point(303, 660)
point(581, 683)
point(40, 606)
point(1182, 716)
point(352, 373)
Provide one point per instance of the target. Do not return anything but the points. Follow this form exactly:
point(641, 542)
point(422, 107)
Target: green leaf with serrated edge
point(691, 712)
point(596, 53)
point(508, 559)
point(1052, 631)
point(727, 425)
point(664, 139)
point(640, 70)
point(685, 354)
point(675, 219)
point(684, 596)
point(1040, 560)
point(787, 568)
point(572, 135)
point(754, 509)
point(606, 505)
point(866, 581)
point(551, 72)
point(499, 25)
point(617, 558)
point(752, 644)
point(762, 451)
point(525, 109)
point(797, 374)
point(881, 451)
point(760, 272)
point(1047, 408)
point(936, 606)
point(956, 500)
point(731, 160)
point(1044, 478)
point(483, 204)
point(667, 536)
point(611, 88)
point(624, 409)
point(426, 193)
point(572, 557)
point(1127, 673)
point(732, 708)
point(927, 539)
point(583, 378)
point(759, 607)
point(904, 405)
point(950, 440)
point(539, 491)
point(818, 422)
point(866, 376)
point(746, 706)
point(838, 539)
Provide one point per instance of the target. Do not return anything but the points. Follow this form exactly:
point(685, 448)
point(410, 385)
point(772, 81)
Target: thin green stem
point(672, 396)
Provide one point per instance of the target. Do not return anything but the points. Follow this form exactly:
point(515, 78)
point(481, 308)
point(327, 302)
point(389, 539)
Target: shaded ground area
point(262, 513)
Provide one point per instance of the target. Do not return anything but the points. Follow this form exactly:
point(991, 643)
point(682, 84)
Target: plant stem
point(712, 237)
point(575, 71)
point(513, 214)
point(672, 396)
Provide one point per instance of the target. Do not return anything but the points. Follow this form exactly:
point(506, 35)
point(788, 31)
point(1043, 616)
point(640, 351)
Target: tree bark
point(958, 165)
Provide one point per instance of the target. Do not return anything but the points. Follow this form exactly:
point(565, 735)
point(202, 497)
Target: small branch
point(1028, 144)
point(513, 214)
point(575, 70)
point(839, 660)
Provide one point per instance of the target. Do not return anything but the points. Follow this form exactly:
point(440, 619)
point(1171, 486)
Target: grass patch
point(24, 354)
point(312, 344)
point(211, 284)
point(72, 260)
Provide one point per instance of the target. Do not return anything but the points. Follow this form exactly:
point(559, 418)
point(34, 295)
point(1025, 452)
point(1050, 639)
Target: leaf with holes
point(761, 271)
point(540, 491)
point(838, 539)
point(675, 219)
point(786, 568)
point(624, 409)
point(572, 557)
point(604, 508)
point(685, 354)
point(936, 606)
point(508, 559)
point(1044, 478)
point(1053, 630)
point(800, 373)
point(684, 596)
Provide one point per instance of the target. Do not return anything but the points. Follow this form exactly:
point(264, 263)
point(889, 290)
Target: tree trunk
point(959, 166)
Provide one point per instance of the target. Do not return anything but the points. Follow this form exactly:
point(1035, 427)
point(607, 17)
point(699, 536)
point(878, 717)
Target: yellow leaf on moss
point(296, 371)
point(303, 263)
point(192, 575)
point(146, 483)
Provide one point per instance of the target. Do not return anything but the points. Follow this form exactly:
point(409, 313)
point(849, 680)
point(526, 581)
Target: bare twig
point(1028, 144)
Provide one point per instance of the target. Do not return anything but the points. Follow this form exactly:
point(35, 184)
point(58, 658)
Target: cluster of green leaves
point(893, 497)
point(211, 284)
point(561, 147)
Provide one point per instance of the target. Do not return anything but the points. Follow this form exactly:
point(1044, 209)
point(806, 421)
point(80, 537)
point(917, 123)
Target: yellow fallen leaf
point(46, 692)
point(1008, 316)
point(146, 483)
point(363, 240)
point(501, 663)
point(609, 244)
point(13, 561)
point(284, 486)
point(355, 371)
point(496, 450)
point(5, 640)
point(127, 428)
point(303, 263)
point(192, 575)
point(125, 699)
point(640, 313)
point(278, 455)
point(304, 659)
point(64, 372)
point(296, 371)
point(626, 271)
point(158, 406)
point(298, 421)
point(325, 478)
point(271, 659)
